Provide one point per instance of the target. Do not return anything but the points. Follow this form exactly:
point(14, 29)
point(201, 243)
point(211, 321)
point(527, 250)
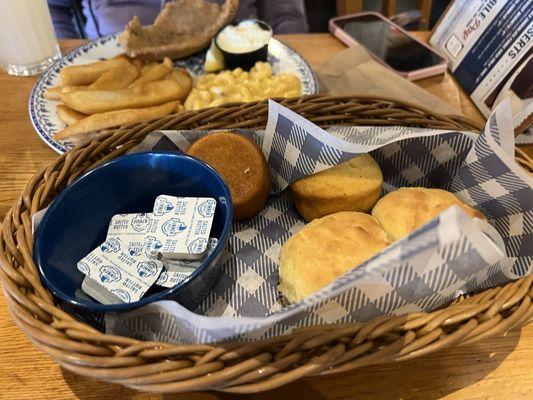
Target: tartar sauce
point(245, 37)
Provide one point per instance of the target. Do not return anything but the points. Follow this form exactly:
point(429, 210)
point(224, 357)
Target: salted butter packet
point(137, 232)
point(117, 271)
point(131, 224)
point(184, 225)
point(176, 271)
point(98, 292)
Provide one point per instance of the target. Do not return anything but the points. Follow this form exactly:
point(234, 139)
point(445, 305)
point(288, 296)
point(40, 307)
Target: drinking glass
point(28, 43)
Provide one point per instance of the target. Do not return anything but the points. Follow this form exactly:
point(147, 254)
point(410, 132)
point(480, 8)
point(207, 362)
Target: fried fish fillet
point(152, 72)
point(98, 101)
point(87, 73)
point(97, 122)
point(67, 115)
point(116, 78)
point(183, 78)
point(182, 28)
point(54, 92)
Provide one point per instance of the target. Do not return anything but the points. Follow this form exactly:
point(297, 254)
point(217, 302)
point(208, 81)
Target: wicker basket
point(239, 367)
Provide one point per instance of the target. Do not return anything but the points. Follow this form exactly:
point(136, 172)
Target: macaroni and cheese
point(212, 90)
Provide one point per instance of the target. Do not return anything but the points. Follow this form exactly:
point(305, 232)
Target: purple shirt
point(105, 17)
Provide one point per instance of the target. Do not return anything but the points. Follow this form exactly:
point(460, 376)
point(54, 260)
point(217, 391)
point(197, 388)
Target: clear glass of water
point(28, 43)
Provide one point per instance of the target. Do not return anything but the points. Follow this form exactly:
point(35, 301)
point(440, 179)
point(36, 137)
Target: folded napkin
point(354, 72)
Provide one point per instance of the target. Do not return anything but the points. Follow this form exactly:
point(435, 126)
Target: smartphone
point(389, 44)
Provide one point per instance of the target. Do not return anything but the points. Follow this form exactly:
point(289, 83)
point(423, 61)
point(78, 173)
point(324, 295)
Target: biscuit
point(242, 166)
point(325, 249)
point(353, 185)
point(404, 210)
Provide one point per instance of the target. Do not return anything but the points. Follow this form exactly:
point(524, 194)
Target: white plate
point(43, 112)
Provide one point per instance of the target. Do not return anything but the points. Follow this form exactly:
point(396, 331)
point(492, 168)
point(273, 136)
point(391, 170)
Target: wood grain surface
point(499, 368)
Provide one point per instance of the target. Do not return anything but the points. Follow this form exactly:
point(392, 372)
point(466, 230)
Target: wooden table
point(499, 368)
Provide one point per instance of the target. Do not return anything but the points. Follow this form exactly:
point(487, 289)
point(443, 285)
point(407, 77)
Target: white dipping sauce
point(243, 38)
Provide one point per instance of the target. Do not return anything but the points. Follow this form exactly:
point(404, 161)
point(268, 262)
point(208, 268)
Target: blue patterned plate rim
point(39, 107)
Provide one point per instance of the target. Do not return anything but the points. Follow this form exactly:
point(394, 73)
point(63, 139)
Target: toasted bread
point(182, 28)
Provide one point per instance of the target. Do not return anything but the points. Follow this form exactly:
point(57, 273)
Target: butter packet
point(176, 271)
point(98, 292)
point(131, 224)
point(171, 279)
point(184, 225)
point(136, 231)
point(117, 271)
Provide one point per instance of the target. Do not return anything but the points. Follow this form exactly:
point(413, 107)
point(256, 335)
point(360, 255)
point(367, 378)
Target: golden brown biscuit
point(353, 185)
point(325, 249)
point(404, 210)
point(243, 167)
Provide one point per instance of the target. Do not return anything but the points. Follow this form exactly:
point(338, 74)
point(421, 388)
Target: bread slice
point(182, 28)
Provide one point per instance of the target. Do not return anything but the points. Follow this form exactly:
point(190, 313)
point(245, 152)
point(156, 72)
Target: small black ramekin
point(246, 60)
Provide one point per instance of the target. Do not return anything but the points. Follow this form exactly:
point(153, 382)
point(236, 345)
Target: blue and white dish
point(124, 185)
point(43, 111)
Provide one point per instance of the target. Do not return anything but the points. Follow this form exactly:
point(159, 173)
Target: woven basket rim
point(251, 366)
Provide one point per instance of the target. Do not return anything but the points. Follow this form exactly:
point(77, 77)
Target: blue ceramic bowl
point(77, 222)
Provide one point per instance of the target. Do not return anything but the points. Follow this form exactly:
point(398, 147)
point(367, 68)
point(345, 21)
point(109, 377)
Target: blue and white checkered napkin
point(452, 254)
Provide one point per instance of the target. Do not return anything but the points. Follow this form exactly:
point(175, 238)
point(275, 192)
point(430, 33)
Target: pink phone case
point(414, 75)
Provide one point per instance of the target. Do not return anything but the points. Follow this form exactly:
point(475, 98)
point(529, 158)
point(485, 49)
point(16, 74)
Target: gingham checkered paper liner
point(525, 137)
point(450, 255)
